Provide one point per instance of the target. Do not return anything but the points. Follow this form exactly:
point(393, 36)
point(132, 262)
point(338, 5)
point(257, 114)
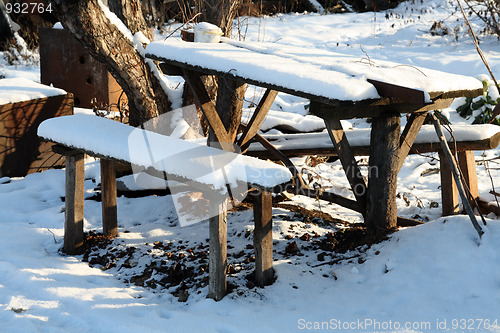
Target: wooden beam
point(381, 213)
point(74, 202)
point(398, 93)
point(207, 107)
point(467, 164)
point(346, 155)
point(409, 135)
point(449, 192)
point(263, 238)
point(257, 118)
point(218, 253)
point(108, 194)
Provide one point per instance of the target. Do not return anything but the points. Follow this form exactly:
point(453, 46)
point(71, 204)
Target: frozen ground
point(432, 278)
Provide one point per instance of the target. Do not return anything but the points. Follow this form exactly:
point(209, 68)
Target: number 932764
point(27, 8)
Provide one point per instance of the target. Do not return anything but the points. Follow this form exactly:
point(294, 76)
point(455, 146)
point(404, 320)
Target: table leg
point(381, 213)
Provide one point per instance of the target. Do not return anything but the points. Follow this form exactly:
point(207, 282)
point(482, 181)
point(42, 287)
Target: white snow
point(148, 149)
point(265, 68)
point(20, 89)
point(318, 72)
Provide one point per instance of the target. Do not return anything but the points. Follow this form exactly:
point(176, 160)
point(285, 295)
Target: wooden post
point(449, 192)
point(108, 195)
point(381, 213)
point(263, 238)
point(73, 225)
point(467, 164)
point(218, 253)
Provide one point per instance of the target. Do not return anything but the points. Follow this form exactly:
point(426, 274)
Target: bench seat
point(466, 139)
point(202, 167)
point(179, 159)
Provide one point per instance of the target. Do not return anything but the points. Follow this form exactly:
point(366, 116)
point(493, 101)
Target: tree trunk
point(6, 33)
point(219, 12)
point(88, 23)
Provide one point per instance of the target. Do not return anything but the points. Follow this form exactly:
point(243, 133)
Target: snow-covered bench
point(177, 160)
point(466, 139)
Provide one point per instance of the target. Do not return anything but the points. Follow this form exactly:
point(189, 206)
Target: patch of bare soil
point(181, 267)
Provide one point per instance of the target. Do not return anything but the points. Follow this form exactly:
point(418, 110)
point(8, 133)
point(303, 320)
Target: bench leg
point(449, 192)
point(108, 194)
point(218, 253)
point(467, 164)
point(263, 238)
point(73, 224)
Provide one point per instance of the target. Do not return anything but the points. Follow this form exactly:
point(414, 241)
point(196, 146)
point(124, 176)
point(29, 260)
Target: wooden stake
point(456, 174)
point(108, 195)
point(263, 238)
point(74, 202)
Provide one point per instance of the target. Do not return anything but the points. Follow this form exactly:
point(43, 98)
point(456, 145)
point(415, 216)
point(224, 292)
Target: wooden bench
point(466, 139)
point(178, 160)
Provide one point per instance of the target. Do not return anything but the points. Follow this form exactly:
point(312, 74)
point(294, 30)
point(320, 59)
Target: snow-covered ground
point(432, 278)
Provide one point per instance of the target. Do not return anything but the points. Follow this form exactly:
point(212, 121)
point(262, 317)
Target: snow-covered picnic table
point(338, 87)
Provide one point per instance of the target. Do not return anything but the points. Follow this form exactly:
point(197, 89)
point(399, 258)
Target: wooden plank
point(279, 156)
point(417, 148)
point(351, 168)
point(207, 107)
point(257, 118)
point(108, 194)
point(467, 164)
point(263, 238)
point(74, 202)
point(449, 191)
point(283, 88)
point(381, 213)
point(374, 109)
point(218, 253)
point(398, 93)
point(409, 135)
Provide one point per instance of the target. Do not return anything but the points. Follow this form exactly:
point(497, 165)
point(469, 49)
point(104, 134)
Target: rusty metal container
point(65, 64)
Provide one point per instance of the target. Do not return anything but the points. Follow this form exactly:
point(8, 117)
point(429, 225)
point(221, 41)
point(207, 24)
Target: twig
point(486, 166)
point(180, 27)
point(336, 261)
point(456, 175)
point(54, 236)
point(483, 58)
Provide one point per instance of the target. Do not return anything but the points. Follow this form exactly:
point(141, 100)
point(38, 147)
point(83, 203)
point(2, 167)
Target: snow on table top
point(20, 90)
point(266, 68)
point(424, 79)
point(361, 137)
point(188, 160)
point(317, 72)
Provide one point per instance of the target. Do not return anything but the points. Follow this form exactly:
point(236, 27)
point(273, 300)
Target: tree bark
point(88, 23)
point(6, 33)
point(220, 13)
